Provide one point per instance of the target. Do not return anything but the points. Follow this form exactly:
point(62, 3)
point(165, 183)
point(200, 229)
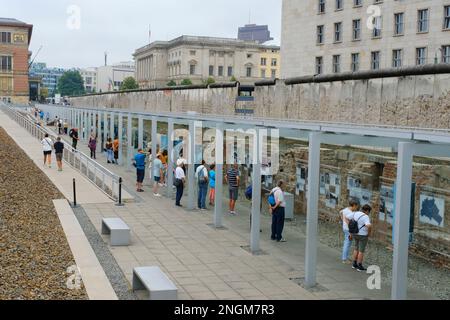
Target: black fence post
point(74, 193)
point(120, 204)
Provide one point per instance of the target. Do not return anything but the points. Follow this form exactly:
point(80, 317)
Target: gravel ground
point(113, 272)
point(421, 273)
point(34, 251)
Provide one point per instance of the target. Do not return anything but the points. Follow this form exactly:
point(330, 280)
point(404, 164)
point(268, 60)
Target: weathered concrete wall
point(414, 101)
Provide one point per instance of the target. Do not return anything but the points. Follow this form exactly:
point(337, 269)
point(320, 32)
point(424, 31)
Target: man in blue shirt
point(139, 160)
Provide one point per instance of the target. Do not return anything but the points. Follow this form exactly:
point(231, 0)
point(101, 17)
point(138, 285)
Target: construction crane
point(37, 53)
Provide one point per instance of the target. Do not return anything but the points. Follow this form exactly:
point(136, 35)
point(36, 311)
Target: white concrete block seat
point(152, 279)
point(118, 229)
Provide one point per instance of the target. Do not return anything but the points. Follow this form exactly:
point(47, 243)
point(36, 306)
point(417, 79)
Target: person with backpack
point(360, 228)
point(212, 185)
point(109, 151)
point(74, 135)
point(59, 152)
point(233, 180)
point(277, 209)
point(345, 216)
point(202, 178)
point(47, 146)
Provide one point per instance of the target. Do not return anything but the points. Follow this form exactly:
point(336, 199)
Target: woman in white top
point(47, 144)
point(180, 178)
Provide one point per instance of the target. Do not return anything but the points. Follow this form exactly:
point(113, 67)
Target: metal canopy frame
point(409, 142)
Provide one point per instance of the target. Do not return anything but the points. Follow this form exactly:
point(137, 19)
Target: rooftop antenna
point(149, 33)
point(250, 16)
point(37, 53)
point(106, 58)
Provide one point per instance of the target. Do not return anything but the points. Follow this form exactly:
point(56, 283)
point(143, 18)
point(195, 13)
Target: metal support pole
point(129, 140)
point(256, 195)
point(120, 204)
point(218, 204)
point(112, 125)
point(120, 134)
point(313, 209)
point(154, 137)
point(140, 132)
point(171, 160)
point(401, 221)
point(99, 130)
point(191, 167)
point(74, 193)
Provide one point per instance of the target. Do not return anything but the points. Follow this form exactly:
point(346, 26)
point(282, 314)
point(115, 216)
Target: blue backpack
point(248, 192)
point(271, 200)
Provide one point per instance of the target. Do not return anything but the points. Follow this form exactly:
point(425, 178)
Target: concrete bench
point(156, 282)
point(120, 232)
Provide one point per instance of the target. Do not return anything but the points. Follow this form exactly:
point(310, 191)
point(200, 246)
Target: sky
point(77, 33)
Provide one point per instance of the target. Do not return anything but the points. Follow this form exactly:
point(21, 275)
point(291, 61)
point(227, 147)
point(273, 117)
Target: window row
point(375, 59)
point(5, 37)
point(273, 73)
point(273, 63)
point(220, 71)
point(423, 22)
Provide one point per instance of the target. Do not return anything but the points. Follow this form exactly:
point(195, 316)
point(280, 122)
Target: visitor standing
point(233, 179)
point(345, 215)
point(202, 178)
point(60, 125)
point(360, 229)
point(93, 145)
point(157, 174)
point(109, 151)
point(59, 152)
point(180, 179)
point(139, 161)
point(66, 127)
point(278, 212)
point(212, 185)
point(47, 144)
point(116, 150)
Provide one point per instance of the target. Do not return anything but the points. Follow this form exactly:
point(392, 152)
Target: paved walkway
point(206, 263)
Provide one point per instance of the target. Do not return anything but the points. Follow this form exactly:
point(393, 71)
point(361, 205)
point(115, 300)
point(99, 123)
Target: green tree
point(233, 79)
point(186, 82)
point(129, 83)
point(44, 93)
point(171, 83)
point(71, 84)
point(210, 80)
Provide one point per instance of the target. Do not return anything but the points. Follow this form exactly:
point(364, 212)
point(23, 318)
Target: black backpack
point(71, 133)
point(353, 227)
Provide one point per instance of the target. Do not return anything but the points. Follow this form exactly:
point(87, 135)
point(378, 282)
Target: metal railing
point(104, 179)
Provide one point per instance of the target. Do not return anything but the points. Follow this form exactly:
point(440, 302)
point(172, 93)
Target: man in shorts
point(233, 179)
point(362, 237)
point(139, 160)
point(157, 174)
point(59, 152)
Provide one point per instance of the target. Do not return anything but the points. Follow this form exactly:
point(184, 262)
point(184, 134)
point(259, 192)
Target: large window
point(319, 65)
point(263, 61)
point(376, 32)
point(447, 17)
point(321, 8)
point(356, 29)
point(249, 72)
point(5, 63)
point(399, 23)
point(357, 3)
point(336, 63)
point(220, 71)
point(211, 71)
point(5, 37)
point(338, 32)
point(375, 60)
point(339, 4)
point(446, 54)
point(273, 73)
point(422, 20)
point(263, 73)
point(320, 34)
point(274, 62)
point(397, 58)
point(192, 69)
point(230, 71)
point(355, 62)
point(421, 56)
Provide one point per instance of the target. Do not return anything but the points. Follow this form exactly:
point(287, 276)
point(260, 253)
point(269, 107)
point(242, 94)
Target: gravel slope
point(33, 248)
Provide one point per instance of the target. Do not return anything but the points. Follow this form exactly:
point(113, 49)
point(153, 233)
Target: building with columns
point(15, 37)
point(333, 36)
point(199, 58)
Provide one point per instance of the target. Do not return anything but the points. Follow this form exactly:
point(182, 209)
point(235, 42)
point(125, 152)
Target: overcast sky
point(120, 27)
